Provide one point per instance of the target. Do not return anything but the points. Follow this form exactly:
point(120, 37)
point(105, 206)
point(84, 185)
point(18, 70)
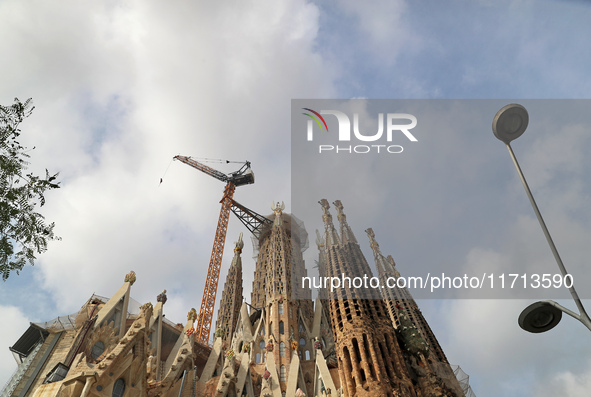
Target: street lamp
point(510, 123)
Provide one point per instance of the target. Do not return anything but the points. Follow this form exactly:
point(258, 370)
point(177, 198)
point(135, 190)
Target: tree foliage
point(23, 231)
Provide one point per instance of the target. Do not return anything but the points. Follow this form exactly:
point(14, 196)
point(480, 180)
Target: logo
point(397, 124)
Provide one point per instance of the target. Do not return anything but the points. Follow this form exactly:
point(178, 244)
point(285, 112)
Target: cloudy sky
point(122, 87)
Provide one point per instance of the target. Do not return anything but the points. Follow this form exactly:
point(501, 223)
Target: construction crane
point(243, 176)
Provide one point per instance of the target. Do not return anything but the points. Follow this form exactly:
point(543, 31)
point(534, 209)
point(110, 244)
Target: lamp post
point(510, 123)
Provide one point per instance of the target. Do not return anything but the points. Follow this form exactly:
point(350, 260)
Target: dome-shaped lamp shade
point(539, 317)
point(510, 122)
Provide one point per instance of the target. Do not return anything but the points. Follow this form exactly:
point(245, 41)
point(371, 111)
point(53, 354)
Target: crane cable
point(162, 178)
point(204, 159)
point(208, 160)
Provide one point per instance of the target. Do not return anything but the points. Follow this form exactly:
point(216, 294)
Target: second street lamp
point(510, 123)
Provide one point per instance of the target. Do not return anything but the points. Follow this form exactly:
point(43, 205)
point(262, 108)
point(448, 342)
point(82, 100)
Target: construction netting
point(463, 378)
point(61, 323)
point(298, 232)
point(68, 322)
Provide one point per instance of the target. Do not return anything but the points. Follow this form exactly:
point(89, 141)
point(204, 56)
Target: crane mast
point(241, 177)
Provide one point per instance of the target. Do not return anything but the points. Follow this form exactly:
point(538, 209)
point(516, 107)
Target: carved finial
point(324, 204)
point(239, 245)
point(130, 277)
point(192, 315)
point(147, 309)
point(390, 260)
point(278, 210)
point(220, 333)
point(372, 240)
point(162, 297)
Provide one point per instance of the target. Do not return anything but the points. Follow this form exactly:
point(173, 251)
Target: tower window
point(282, 349)
point(281, 328)
point(119, 388)
point(282, 373)
point(280, 307)
point(97, 350)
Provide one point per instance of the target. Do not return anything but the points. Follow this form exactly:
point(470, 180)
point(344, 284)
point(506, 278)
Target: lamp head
point(539, 317)
point(510, 122)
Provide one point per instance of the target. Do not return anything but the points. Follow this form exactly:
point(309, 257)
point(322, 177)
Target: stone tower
point(231, 301)
point(370, 361)
point(287, 308)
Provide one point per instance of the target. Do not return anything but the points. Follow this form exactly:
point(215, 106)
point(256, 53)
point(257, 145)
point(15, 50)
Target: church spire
point(231, 301)
point(331, 235)
point(347, 235)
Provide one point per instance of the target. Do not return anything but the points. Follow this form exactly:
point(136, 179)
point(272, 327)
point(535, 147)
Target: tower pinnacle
point(231, 301)
point(332, 237)
point(346, 232)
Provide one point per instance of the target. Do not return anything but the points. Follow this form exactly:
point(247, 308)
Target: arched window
point(282, 373)
point(258, 358)
point(97, 350)
point(281, 328)
point(280, 307)
point(302, 342)
point(119, 388)
point(262, 345)
point(282, 349)
point(307, 354)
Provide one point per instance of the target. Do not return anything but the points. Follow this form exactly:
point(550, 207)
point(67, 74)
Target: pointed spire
point(331, 235)
point(231, 295)
point(347, 235)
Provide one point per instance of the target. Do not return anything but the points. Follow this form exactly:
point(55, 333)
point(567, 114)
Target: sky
point(122, 87)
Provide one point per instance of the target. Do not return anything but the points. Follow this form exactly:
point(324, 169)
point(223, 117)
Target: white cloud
point(386, 33)
point(566, 383)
